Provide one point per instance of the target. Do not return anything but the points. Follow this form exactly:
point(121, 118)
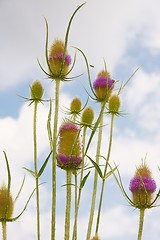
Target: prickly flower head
point(69, 147)
point(103, 86)
point(6, 203)
point(58, 68)
point(142, 186)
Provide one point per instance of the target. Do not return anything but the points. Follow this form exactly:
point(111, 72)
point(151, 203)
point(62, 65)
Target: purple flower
point(60, 56)
point(102, 81)
point(65, 162)
point(68, 125)
point(142, 183)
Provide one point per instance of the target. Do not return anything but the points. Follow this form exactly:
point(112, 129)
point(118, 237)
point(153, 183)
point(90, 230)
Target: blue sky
point(127, 35)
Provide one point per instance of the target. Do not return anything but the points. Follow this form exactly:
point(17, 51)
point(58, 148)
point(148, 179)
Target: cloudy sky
point(127, 35)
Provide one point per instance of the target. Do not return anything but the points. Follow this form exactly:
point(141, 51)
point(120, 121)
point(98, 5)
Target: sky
point(127, 35)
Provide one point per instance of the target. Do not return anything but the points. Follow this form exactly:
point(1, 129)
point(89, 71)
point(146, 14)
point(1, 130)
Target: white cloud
point(119, 219)
point(112, 27)
point(142, 99)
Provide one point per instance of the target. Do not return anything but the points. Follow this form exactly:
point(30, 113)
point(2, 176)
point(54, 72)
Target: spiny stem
point(74, 237)
point(35, 168)
point(68, 204)
point(94, 193)
point(4, 230)
point(105, 171)
point(54, 145)
point(141, 222)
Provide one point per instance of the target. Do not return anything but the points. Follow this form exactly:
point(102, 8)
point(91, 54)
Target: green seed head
point(114, 104)
point(87, 116)
point(6, 203)
point(36, 90)
point(75, 106)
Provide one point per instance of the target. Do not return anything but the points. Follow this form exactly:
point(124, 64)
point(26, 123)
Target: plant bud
point(75, 106)
point(95, 238)
point(87, 116)
point(6, 203)
point(36, 90)
point(103, 86)
point(69, 147)
point(55, 60)
point(114, 104)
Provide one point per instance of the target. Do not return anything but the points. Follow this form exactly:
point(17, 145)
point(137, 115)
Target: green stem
point(68, 204)
point(141, 222)
point(105, 171)
point(54, 145)
point(4, 230)
point(76, 211)
point(35, 168)
point(94, 193)
point(74, 237)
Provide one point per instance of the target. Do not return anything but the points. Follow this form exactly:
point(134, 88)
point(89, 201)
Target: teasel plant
point(113, 109)
point(101, 91)
point(69, 159)
point(142, 187)
point(36, 94)
point(7, 203)
point(87, 118)
point(58, 61)
point(75, 112)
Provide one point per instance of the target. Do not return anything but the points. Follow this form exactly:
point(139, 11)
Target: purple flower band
point(138, 183)
point(60, 56)
point(67, 125)
point(68, 161)
point(101, 82)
